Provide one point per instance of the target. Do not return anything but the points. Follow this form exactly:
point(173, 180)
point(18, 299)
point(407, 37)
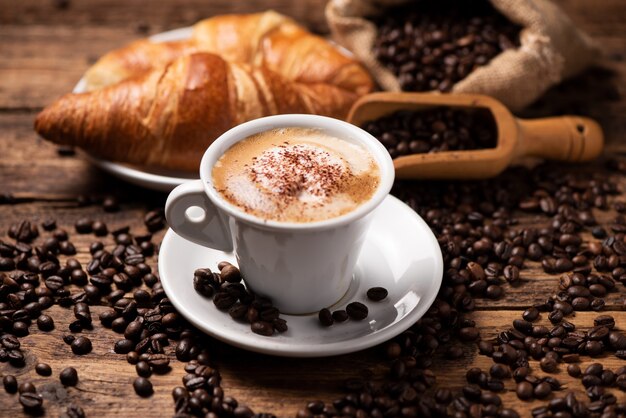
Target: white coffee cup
point(301, 267)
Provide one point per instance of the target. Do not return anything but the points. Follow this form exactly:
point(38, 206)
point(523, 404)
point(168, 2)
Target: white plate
point(400, 254)
point(161, 180)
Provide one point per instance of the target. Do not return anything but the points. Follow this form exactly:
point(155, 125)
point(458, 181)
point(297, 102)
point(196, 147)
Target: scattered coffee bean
point(524, 390)
point(340, 315)
point(43, 369)
point(69, 376)
point(27, 387)
point(262, 328)
point(143, 369)
point(325, 317)
point(45, 323)
point(573, 370)
point(143, 387)
point(84, 226)
point(31, 401)
point(81, 345)
point(377, 293)
point(10, 383)
point(357, 311)
point(548, 365)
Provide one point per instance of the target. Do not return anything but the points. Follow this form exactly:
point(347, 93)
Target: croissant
point(161, 104)
point(268, 39)
point(167, 117)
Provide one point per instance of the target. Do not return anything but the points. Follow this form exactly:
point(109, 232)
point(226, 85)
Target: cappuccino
point(296, 175)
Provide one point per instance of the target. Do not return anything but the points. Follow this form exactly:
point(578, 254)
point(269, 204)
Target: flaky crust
point(268, 39)
point(167, 117)
point(162, 104)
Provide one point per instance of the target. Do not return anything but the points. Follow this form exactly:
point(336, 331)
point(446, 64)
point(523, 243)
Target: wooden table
point(45, 46)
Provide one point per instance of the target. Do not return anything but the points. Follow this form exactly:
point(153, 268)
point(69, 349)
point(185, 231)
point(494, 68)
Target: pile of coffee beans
point(431, 45)
point(485, 251)
point(434, 130)
point(230, 295)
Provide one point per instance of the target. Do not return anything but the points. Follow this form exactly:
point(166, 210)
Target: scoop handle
point(564, 138)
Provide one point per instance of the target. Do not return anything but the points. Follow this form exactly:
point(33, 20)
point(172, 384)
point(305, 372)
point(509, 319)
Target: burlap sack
point(551, 49)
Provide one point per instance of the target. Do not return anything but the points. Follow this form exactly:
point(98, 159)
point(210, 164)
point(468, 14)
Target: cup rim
point(336, 126)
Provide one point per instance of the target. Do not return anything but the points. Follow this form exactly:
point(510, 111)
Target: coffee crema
point(296, 175)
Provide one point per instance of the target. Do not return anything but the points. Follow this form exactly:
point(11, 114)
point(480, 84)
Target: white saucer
point(400, 254)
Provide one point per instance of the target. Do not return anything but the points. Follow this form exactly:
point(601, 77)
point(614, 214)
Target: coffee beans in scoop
point(434, 130)
point(431, 45)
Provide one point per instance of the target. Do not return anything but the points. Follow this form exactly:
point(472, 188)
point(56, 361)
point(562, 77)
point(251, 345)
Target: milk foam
point(296, 175)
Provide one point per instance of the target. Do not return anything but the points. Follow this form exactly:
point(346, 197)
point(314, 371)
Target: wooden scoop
point(564, 138)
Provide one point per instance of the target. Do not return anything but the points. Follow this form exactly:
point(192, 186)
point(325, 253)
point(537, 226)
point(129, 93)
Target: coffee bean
point(54, 283)
point(469, 334)
point(377, 293)
point(357, 311)
point(224, 300)
point(84, 226)
point(530, 314)
point(183, 349)
point(74, 411)
point(143, 387)
point(340, 315)
point(605, 320)
point(132, 357)
point(262, 328)
point(124, 346)
point(143, 369)
point(617, 340)
point(45, 323)
point(10, 383)
point(325, 317)
point(27, 387)
point(548, 365)
point(573, 370)
point(523, 326)
point(426, 28)
point(110, 204)
point(555, 316)
point(81, 345)
point(31, 401)
point(159, 362)
point(542, 390)
point(485, 348)
point(280, 325)
point(524, 390)
point(580, 304)
point(230, 273)
point(494, 291)
point(43, 369)
point(69, 376)
point(500, 371)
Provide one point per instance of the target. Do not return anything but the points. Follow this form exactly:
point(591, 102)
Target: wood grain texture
point(45, 50)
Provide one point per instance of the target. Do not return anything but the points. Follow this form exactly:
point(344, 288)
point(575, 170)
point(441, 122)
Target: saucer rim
point(328, 349)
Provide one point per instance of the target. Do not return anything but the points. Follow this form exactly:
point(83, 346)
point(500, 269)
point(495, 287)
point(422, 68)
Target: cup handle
point(210, 229)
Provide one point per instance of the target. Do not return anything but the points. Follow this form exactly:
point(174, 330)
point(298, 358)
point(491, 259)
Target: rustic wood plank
point(31, 167)
point(265, 383)
point(38, 65)
point(44, 52)
point(150, 15)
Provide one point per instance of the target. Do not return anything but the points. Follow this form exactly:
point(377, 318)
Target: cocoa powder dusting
point(290, 171)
